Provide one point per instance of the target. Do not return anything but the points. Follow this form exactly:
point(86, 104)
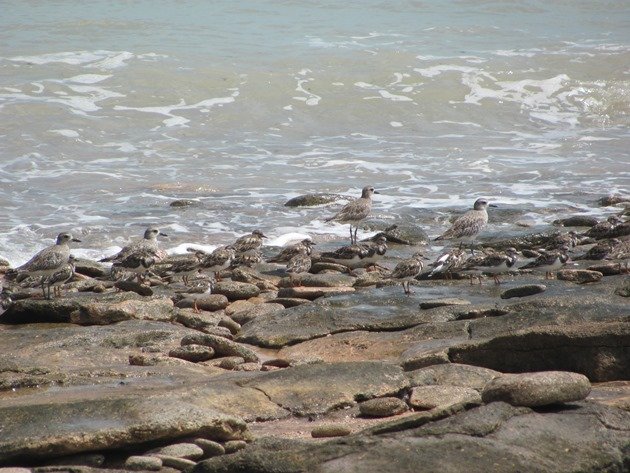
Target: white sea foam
point(66, 133)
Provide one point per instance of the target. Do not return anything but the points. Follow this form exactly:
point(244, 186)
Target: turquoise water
point(111, 110)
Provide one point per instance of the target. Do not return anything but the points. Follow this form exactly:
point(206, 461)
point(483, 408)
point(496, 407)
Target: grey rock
point(202, 321)
point(321, 280)
point(192, 353)
point(430, 397)
point(182, 203)
point(180, 464)
point(431, 304)
point(143, 463)
point(607, 269)
point(580, 276)
point(613, 200)
point(312, 293)
point(330, 430)
point(311, 200)
point(190, 451)
point(288, 302)
point(452, 374)
point(537, 389)
point(328, 268)
point(90, 268)
point(523, 291)
point(234, 290)
point(207, 302)
point(221, 346)
point(382, 407)
point(577, 221)
point(106, 312)
point(233, 446)
point(210, 448)
point(244, 316)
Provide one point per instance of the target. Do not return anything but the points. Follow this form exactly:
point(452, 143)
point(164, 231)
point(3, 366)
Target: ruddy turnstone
point(447, 263)
point(298, 264)
point(137, 264)
point(253, 241)
point(359, 255)
point(148, 246)
point(187, 267)
point(218, 260)
point(247, 258)
point(48, 261)
point(493, 263)
point(304, 246)
point(467, 227)
point(603, 229)
point(408, 269)
point(355, 211)
point(549, 261)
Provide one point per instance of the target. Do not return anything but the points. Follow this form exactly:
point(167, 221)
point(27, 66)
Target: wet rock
point(207, 302)
point(537, 389)
point(143, 463)
point(209, 447)
point(190, 451)
point(222, 346)
point(228, 362)
point(433, 303)
point(523, 291)
point(369, 278)
point(330, 430)
point(312, 293)
point(234, 290)
point(199, 321)
point(231, 325)
point(613, 199)
point(319, 280)
point(144, 359)
point(86, 460)
point(326, 386)
point(105, 313)
point(607, 269)
point(430, 397)
point(192, 353)
point(250, 366)
point(453, 374)
point(404, 233)
point(624, 289)
point(383, 407)
point(576, 221)
point(288, 302)
point(180, 464)
point(328, 268)
point(182, 203)
point(580, 276)
point(244, 316)
point(234, 446)
point(90, 268)
point(27, 311)
point(133, 286)
point(311, 200)
point(596, 350)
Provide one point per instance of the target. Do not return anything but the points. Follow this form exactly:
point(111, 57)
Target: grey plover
point(494, 263)
point(297, 265)
point(603, 229)
point(147, 247)
point(361, 255)
point(218, 260)
point(304, 246)
point(408, 269)
point(447, 263)
point(355, 211)
point(253, 241)
point(549, 261)
point(47, 261)
point(467, 227)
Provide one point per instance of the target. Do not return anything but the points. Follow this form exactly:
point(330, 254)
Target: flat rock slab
point(383, 407)
point(537, 389)
point(321, 387)
point(453, 374)
point(207, 302)
point(312, 293)
point(234, 290)
point(105, 313)
point(221, 346)
point(430, 397)
point(319, 280)
point(523, 291)
point(433, 303)
point(495, 437)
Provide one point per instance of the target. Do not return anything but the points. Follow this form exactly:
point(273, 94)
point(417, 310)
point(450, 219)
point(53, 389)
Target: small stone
point(613, 199)
point(238, 306)
point(433, 303)
point(607, 269)
point(248, 367)
point(133, 286)
point(430, 397)
point(227, 363)
point(14, 470)
point(523, 291)
point(382, 407)
point(330, 430)
point(192, 353)
point(324, 266)
point(288, 302)
point(141, 462)
point(144, 360)
point(234, 290)
point(580, 276)
point(180, 464)
point(277, 362)
point(624, 289)
point(311, 293)
point(576, 221)
point(222, 346)
point(255, 310)
point(232, 446)
point(310, 200)
point(207, 302)
point(189, 451)
point(231, 325)
point(537, 389)
point(182, 203)
point(209, 447)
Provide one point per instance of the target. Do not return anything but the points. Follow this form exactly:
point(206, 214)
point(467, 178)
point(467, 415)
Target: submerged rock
point(311, 200)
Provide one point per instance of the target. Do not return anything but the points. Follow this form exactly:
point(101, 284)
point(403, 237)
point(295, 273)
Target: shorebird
point(48, 261)
point(137, 263)
point(253, 241)
point(218, 260)
point(408, 269)
point(188, 267)
point(355, 211)
point(493, 263)
point(549, 261)
point(304, 246)
point(467, 227)
point(298, 264)
point(60, 277)
point(603, 229)
point(359, 255)
point(247, 258)
point(447, 262)
point(148, 246)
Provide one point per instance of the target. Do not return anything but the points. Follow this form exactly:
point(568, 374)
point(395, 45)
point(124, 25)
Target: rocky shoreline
point(341, 373)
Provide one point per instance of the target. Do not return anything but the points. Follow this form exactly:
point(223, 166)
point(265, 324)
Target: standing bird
point(604, 229)
point(218, 260)
point(60, 277)
point(359, 255)
point(300, 263)
point(137, 264)
point(48, 261)
point(289, 252)
point(493, 263)
point(549, 261)
point(447, 263)
point(600, 251)
point(253, 241)
point(188, 267)
point(467, 227)
point(408, 269)
point(355, 211)
point(148, 246)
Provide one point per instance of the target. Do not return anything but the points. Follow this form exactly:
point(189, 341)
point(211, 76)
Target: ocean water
point(110, 110)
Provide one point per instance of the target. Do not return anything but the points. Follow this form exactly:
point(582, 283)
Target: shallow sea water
point(111, 110)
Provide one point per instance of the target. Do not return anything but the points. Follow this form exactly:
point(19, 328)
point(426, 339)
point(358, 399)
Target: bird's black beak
point(77, 240)
point(163, 234)
point(376, 192)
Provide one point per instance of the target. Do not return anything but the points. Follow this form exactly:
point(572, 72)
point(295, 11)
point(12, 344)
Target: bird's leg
point(355, 234)
point(471, 279)
point(496, 279)
point(351, 237)
point(195, 308)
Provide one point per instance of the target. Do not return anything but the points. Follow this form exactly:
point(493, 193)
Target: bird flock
point(53, 266)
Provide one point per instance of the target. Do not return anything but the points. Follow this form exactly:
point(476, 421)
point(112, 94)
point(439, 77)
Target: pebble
point(580, 276)
point(189, 451)
point(248, 367)
point(433, 303)
point(382, 407)
point(192, 353)
point(537, 389)
point(288, 302)
point(236, 290)
point(330, 430)
point(228, 362)
point(144, 360)
point(523, 291)
point(222, 346)
point(232, 446)
point(180, 464)
point(207, 302)
point(209, 447)
point(141, 462)
point(430, 397)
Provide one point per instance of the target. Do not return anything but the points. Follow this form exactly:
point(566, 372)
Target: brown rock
point(580, 276)
point(383, 407)
point(430, 397)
